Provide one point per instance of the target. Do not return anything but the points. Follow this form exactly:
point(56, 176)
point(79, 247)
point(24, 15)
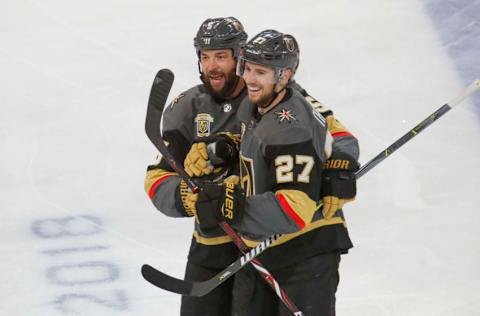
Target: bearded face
point(218, 72)
point(220, 84)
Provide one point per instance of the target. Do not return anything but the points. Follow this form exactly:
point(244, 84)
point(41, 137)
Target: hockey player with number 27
point(286, 166)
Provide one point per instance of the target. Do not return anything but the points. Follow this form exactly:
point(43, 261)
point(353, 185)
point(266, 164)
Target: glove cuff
point(341, 188)
point(181, 201)
point(233, 203)
point(339, 176)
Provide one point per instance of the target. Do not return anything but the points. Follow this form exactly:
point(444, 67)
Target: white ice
point(76, 224)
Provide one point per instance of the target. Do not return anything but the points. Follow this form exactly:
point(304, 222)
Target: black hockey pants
point(216, 303)
point(310, 284)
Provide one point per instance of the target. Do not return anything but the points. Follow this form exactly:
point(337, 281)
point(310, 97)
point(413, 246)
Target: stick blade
point(162, 83)
point(166, 282)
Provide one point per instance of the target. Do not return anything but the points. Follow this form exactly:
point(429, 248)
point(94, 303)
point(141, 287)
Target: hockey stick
point(156, 102)
point(201, 288)
point(192, 288)
point(158, 96)
point(472, 88)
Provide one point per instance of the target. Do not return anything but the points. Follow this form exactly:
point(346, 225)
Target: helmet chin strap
point(199, 68)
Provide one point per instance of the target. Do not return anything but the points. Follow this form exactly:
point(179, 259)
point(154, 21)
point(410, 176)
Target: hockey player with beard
point(203, 111)
point(286, 165)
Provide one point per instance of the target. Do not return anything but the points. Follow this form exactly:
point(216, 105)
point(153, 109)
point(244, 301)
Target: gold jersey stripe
point(287, 237)
point(335, 126)
point(211, 241)
point(153, 175)
point(300, 203)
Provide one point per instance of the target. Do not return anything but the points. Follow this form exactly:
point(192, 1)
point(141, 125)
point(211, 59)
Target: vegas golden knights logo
point(203, 121)
point(247, 179)
point(289, 43)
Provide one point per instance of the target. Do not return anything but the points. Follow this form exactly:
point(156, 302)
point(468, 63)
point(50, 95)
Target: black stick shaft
point(402, 140)
point(472, 88)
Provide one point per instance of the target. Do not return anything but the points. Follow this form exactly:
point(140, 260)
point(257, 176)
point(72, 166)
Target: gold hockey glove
point(197, 163)
point(215, 155)
point(185, 200)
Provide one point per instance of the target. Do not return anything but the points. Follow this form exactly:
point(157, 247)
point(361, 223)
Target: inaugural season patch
point(203, 121)
point(285, 116)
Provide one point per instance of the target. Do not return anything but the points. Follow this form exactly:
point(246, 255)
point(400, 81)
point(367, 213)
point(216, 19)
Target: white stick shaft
point(472, 88)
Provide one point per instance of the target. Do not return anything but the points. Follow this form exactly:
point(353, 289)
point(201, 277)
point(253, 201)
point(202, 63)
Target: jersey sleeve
point(163, 186)
point(342, 140)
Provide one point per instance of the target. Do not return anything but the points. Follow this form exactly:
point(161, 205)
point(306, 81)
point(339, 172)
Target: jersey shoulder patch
point(288, 123)
point(179, 112)
point(184, 97)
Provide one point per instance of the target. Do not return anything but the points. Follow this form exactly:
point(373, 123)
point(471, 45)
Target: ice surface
point(75, 76)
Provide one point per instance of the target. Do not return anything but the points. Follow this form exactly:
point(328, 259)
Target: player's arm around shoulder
point(342, 139)
point(338, 177)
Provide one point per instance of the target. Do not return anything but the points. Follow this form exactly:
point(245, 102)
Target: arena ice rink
point(75, 76)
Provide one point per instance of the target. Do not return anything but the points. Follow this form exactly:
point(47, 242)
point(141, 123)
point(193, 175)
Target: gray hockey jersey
point(189, 117)
point(282, 156)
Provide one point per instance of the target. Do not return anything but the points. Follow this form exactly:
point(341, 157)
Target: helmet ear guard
point(240, 65)
point(279, 73)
